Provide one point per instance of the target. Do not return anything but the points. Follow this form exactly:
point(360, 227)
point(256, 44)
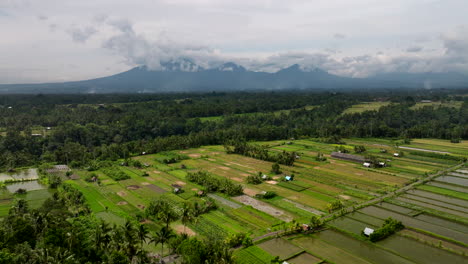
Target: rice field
point(436, 210)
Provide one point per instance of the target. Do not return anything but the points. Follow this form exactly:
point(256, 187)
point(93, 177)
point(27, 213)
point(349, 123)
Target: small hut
point(368, 231)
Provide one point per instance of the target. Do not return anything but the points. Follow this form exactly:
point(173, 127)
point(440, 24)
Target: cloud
point(414, 49)
point(81, 35)
point(339, 36)
point(42, 17)
point(137, 49)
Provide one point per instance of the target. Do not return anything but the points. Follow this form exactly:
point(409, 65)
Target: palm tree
point(163, 211)
point(142, 234)
point(187, 214)
point(162, 236)
point(129, 235)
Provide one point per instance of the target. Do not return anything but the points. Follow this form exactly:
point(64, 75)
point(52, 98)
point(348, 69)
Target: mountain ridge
point(185, 76)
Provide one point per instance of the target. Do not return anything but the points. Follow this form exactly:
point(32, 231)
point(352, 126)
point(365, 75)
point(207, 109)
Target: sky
point(67, 40)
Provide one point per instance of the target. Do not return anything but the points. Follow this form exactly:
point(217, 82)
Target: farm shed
point(368, 231)
point(366, 164)
point(396, 154)
point(348, 157)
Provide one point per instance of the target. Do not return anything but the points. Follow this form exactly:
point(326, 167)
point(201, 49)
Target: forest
point(80, 129)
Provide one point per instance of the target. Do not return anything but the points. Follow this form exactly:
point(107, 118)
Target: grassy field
point(454, 104)
point(369, 106)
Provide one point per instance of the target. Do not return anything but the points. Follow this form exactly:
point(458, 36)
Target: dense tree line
point(259, 152)
point(86, 128)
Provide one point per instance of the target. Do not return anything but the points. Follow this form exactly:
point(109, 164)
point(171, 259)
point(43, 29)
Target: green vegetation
point(213, 184)
point(157, 179)
point(389, 227)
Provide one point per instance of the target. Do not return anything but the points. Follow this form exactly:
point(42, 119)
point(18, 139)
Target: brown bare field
point(180, 230)
point(264, 207)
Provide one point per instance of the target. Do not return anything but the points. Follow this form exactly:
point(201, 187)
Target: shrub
point(359, 149)
point(255, 179)
point(214, 184)
point(21, 191)
point(389, 227)
point(275, 168)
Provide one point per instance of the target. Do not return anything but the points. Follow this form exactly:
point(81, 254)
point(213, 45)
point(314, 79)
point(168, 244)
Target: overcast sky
point(63, 40)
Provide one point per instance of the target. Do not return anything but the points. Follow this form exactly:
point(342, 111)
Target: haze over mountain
point(185, 76)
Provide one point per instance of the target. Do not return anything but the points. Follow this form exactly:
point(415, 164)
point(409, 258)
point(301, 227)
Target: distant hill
point(185, 76)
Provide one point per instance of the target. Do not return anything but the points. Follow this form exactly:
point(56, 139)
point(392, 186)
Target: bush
point(275, 168)
point(21, 191)
point(359, 149)
point(214, 184)
point(389, 227)
point(255, 179)
point(320, 157)
point(266, 195)
point(115, 173)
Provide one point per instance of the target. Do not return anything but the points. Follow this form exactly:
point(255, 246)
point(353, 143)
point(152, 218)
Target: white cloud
point(353, 38)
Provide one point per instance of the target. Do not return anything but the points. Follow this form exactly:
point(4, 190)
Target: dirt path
point(425, 150)
point(224, 201)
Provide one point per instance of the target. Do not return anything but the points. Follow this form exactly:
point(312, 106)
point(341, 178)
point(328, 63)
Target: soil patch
point(237, 179)
point(264, 207)
point(180, 182)
point(224, 168)
point(194, 155)
point(133, 187)
point(180, 229)
point(122, 203)
point(157, 172)
point(121, 193)
point(211, 159)
point(142, 207)
point(272, 182)
point(345, 197)
point(317, 168)
point(145, 183)
point(244, 174)
point(250, 192)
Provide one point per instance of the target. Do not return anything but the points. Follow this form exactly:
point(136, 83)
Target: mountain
point(184, 75)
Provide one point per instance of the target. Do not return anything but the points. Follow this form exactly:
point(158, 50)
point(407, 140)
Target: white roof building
point(368, 231)
point(366, 164)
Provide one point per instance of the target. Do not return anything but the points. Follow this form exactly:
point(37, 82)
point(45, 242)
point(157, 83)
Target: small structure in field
point(177, 188)
point(396, 154)
point(368, 231)
point(382, 164)
point(289, 178)
point(143, 153)
point(348, 157)
point(366, 164)
point(305, 227)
